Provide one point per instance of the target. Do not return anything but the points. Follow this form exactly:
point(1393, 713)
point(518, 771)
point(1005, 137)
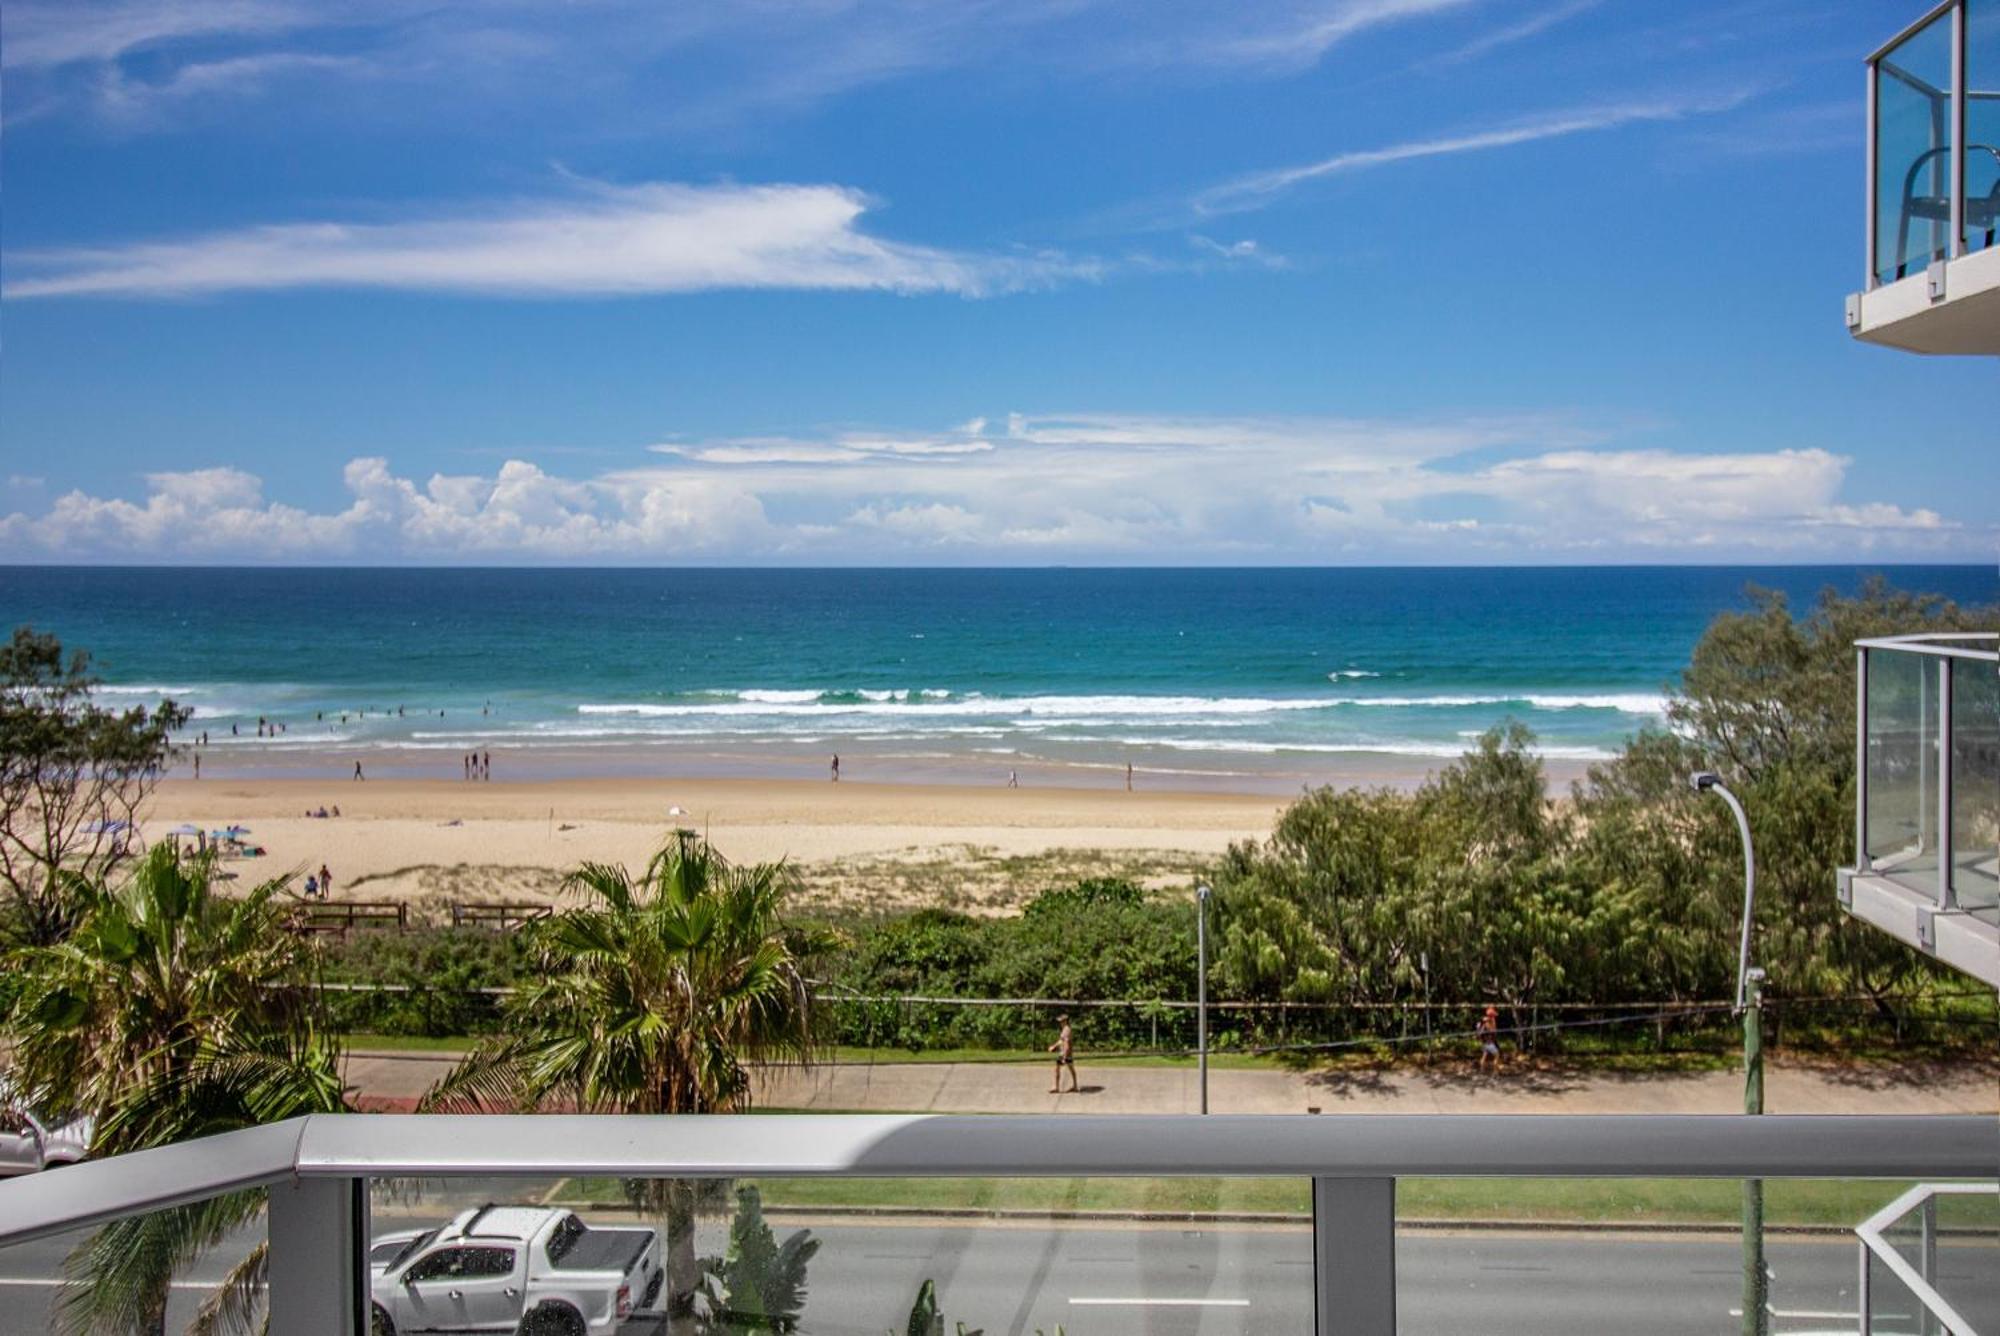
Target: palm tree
point(172, 1011)
point(657, 995)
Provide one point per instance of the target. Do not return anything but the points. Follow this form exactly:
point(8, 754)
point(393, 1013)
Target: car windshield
point(391, 1254)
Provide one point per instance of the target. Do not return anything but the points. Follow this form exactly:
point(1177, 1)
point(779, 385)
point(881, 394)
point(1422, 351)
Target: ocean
point(1267, 677)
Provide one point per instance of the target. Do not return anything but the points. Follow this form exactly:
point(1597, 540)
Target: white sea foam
point(1339, 673)
point(1358, 748)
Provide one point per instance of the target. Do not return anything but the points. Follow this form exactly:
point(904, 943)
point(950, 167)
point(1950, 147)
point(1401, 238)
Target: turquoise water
point(1289, 673)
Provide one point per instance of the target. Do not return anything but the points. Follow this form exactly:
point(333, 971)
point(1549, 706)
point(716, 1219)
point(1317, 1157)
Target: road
point(1153, 1280)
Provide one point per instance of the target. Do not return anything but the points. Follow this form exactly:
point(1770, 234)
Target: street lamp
point(1750, 1006)
point(1201, 894)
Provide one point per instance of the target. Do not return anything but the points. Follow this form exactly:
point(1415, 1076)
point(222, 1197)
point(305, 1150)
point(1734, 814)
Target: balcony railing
point(1934, 141)
point(1905, 1284)
point(1927, 809)
point(1339, 1260)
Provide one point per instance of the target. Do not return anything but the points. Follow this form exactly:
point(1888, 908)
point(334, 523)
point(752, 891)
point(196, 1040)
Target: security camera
point(1705, 781)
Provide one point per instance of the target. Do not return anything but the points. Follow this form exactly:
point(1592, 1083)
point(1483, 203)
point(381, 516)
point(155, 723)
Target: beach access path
point(393, 1081)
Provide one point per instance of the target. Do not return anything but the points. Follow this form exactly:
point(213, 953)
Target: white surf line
point(1159, 1303)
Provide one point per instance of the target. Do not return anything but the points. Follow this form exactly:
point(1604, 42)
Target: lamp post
point(1201, 893)
point(1750, 1006)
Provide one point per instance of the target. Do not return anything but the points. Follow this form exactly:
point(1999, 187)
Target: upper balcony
point(1927, 801)
point(1933, 282)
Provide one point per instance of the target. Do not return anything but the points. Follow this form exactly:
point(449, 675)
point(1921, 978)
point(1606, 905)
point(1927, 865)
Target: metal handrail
point(1873, 1244)
point(360, 1146)
point(1938, 644)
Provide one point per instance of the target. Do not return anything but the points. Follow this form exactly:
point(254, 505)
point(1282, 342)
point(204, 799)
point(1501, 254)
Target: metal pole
point(318, 1232)
point(1201, 987)
point(1956, 209)
point(1947, 897)
point(1861, 760)
point(1354, 1256)
point(1756, 1279)
point(1749, 893)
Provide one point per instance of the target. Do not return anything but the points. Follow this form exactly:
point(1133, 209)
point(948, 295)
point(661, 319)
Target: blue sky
point(1344, 281)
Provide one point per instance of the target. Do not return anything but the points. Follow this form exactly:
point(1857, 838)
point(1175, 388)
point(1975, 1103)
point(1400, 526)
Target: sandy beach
point(856, 845)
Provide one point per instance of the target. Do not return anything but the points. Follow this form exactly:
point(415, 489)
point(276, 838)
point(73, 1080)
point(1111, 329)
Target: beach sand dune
point(858, 847)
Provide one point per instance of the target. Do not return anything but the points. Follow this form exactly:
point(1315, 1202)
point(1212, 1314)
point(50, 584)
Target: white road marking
point(50, 1282)
point(1160, 1303)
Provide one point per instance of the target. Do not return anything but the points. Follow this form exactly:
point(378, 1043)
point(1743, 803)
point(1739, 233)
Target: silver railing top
point(1871, 1231)
point(1911, 29)
point(931, 1146)
point(1940, 644)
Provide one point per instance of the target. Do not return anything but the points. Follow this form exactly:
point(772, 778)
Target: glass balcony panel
point(1968, 1257)
point(1902, 767)
point(1208, 1255)
point(118, 1272)
point(1982, 124)
point(1564, 1256)
point(1912, 151)
point(1975, 787)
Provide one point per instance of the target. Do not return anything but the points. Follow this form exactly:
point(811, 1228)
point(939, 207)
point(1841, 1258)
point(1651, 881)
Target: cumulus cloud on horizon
point(1083, 487)
point(599, 241)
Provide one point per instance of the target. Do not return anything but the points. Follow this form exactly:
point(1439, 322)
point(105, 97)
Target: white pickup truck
point(28, 1144)
point(532, 1270)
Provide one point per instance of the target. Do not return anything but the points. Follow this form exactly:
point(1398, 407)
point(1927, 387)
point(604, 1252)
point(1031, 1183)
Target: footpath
point(385, 1081)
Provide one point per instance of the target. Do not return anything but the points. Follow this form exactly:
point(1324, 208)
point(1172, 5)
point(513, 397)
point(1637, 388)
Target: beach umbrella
point(185, 828)
point(106, 827)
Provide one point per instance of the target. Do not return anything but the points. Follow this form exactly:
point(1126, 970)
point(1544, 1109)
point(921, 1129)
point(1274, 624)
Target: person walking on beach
point(197, 765)
point(1488, 1034)
point(357, 771)
point(1128, 777)
point(486, 765)
point(836, 767)
point(1065, 1050)
point(1013, 779)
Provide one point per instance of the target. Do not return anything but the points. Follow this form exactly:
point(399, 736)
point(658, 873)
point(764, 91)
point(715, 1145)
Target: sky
point(958, 282)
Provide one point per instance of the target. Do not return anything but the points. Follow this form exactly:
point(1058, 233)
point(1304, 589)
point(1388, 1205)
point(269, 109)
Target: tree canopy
point(73, 776)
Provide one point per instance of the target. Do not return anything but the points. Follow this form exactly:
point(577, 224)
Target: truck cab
point(538, 1271)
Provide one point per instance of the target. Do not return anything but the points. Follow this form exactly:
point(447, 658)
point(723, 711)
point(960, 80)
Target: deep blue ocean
point(1196, 672)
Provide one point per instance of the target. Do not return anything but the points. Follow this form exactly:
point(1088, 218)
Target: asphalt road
point(1111, 1280)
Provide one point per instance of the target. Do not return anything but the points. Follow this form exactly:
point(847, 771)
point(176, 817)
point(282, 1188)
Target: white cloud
point(603, 241)
point(729, 59)
point(1082, 487)
point(1258, 189)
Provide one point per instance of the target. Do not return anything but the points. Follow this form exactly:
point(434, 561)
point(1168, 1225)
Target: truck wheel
point(552, 1320)
point(380, 1323)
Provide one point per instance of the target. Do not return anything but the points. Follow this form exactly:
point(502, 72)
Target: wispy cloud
point(1511, 33)
point(1085, 487)
point(727, 61)
point(1259, 189)
point(601, 241)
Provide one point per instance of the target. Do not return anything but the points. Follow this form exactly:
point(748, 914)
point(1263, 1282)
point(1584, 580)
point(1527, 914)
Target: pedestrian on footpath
point(1488, 1033)
point(1065, 1050)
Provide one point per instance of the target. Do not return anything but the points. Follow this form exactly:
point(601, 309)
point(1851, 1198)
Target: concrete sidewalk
point(394, 1081)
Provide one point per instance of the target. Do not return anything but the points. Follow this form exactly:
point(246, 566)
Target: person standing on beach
point(836, 767)
point(197, 765)
point(1128, 777)
point(325, 882)
point(486, 765)
point(1065, 1050)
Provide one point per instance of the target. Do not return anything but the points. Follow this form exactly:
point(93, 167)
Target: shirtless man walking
point(1065, 1050)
